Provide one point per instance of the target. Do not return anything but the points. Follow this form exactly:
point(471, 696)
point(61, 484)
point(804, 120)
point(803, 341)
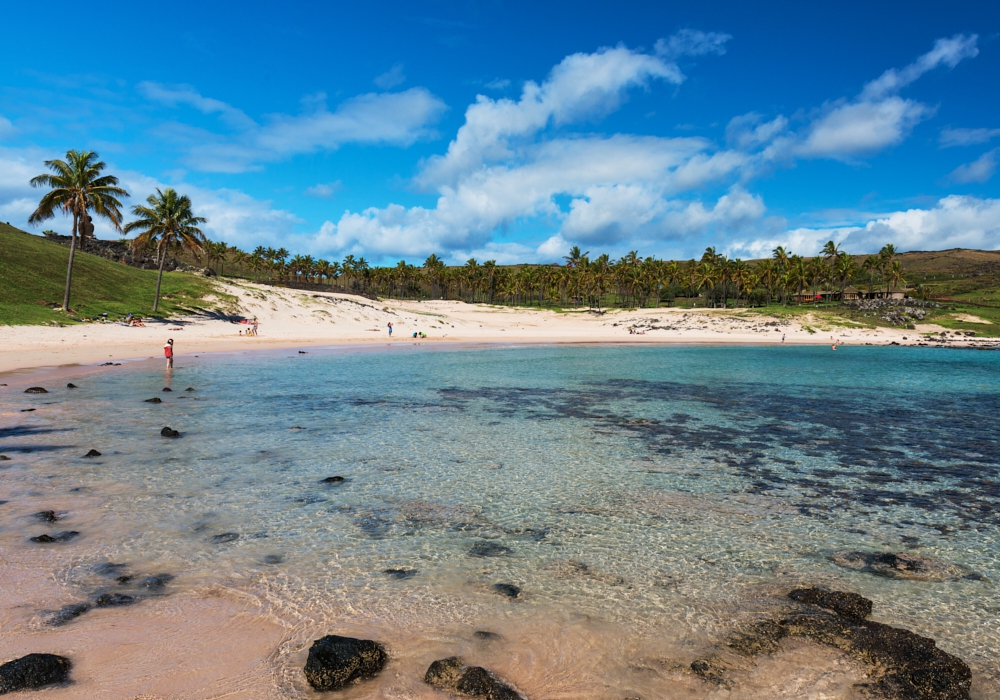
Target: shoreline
point(291, 319)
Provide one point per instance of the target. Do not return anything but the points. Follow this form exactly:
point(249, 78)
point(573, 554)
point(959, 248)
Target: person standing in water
point(168, 352)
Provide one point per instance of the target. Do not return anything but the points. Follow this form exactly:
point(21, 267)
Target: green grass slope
point(33, 273)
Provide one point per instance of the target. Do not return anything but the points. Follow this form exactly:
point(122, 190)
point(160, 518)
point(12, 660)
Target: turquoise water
point(661, 493)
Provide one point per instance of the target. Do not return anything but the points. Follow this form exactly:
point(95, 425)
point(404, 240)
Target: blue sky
point(513, 130)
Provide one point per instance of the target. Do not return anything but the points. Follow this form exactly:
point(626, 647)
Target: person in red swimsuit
point(168, 352)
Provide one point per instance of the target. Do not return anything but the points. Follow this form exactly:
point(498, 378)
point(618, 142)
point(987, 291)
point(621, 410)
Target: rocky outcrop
point(336, 662)
point(35, 390)
point(71, 385)
point(903, 565)
point(474, 681)
point(33, 671)
point(155, 399)
point(169, 432)
point(902, 665)
point(58, 537)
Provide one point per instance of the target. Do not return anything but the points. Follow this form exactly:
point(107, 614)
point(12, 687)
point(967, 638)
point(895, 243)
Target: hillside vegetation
point(33, 273)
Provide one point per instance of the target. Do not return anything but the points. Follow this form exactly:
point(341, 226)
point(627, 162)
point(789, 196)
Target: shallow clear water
point(660, 494)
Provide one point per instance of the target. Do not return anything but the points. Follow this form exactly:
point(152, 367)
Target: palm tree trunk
point(159, 278)
point(69, 267)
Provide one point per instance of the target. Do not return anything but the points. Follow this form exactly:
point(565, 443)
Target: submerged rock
point(113, 600)
point(34, 671)
point(92, 453)
point(332, 480)
point(166, 388)
point(35, 390)
point(273, 558)
point(474, 681)
point(4, 458)
point(401, 573)
point(155, 399)
point(169, 432)
point(335, 662)
point(156, 581)
point(190, 388)
point(109, 569)
point(47, 516)
point(914, 567)
point(226, 537)
point(485, 636)
point(58, 537)
point(71, 385)
point(849, 605)
point(902, 665)
point(507, 589)
point(68, 613)
point(489, 549)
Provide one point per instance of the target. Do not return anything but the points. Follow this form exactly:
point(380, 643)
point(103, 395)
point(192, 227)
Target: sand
point(293, 318)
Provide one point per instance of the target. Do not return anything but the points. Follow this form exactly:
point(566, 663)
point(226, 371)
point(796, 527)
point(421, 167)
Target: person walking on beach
point(168, 352)
point(782, 337)
point(390, 329)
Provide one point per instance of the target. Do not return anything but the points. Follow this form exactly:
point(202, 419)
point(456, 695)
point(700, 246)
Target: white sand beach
point(294, 318)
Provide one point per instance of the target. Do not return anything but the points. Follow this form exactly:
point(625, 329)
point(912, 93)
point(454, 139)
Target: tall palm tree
point(77, 187)
point(167, 219)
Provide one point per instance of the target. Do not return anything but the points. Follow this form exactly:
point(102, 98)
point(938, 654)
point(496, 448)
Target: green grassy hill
point(33, 274)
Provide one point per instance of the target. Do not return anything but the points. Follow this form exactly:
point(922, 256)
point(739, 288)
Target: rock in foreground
point(33, 671)
point(849, 605)
point(473, 681)
point(335, 662)
point(35, 390)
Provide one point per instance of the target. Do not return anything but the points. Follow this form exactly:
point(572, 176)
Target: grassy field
point(33, 274)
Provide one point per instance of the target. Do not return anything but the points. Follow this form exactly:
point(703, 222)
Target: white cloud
point(324, 190)
point(860, 128)
point(955, 222)
point(966, 137)
point(497, 84)
point(173, 96)
point(691, 42)
point(949, 52)
point(6, 128)
point(979, 170)
point(553, 249)
point(399, 118)
point(391, 78)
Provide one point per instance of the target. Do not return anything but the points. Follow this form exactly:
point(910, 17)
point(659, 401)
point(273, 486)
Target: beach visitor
point(782, 337)
point(168, 352)
point(390, 329)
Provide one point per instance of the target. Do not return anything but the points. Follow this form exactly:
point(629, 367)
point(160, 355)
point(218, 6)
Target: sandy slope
point(291, 318)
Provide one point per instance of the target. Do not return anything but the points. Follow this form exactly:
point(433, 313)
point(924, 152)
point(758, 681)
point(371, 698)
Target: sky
point(513, 131)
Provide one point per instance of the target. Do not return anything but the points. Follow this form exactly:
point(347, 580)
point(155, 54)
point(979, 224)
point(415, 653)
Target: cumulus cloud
point(6, 128)
point(966, 137)
point(324, 190)
point(391, 78)
point(979, 170)
point(398, 118)
point(955, 222)
point(861, 128)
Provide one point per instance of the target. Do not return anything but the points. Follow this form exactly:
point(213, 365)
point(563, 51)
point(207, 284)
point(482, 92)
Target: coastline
point(296, 319)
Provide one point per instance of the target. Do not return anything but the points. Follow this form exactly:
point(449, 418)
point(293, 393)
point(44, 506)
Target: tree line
point(166, 223)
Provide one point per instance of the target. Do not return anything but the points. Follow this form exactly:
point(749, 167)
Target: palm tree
point(167, 220)
point(871, 265)
point(895, 275)
point(844, 268)
point(78, 188)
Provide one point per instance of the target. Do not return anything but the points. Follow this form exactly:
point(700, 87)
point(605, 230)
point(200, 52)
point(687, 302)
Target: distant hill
point(33, 274)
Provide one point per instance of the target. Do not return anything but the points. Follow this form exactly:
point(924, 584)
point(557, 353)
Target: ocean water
point(645, 500)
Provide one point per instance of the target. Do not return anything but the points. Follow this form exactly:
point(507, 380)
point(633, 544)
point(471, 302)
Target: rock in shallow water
point(506, 589)
point(46, 516)
point(113, 600)
point(903, 565)
point(332, 480)
point(35, 390)
point(169, 432)
point(93, 453)
point(226, 537)
point(849, 605)
point(335, 662)
point(489, 549)
point(474, 681)
point(58, 537)
point(401, 573)
point(155, 399)
point(33, 671)
point(71, 385)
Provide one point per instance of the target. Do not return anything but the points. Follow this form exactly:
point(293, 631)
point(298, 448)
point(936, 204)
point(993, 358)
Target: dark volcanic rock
point(169, 432)
point(485, 636)
point(190, 388)
point(109, 569)
point(4, 458)
point(166, 388)
point(93, 453)
point(902, 665)
point(401, 573)
point(28, 410)
point(849, 605)
point(58, 537)
point(507, 589)
point(474, 681)
point(47, 516)
point(488, 549)
point(113, 600)
point(226, 537)
point(68, 613)
point(35, 390)
point(273, 558)
point(33, 671)
point(335, 662)
point(903, 565)
point(155, 399)
point(71, 385)
point(127, 578)
point(156, 582)
point(332, 480)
